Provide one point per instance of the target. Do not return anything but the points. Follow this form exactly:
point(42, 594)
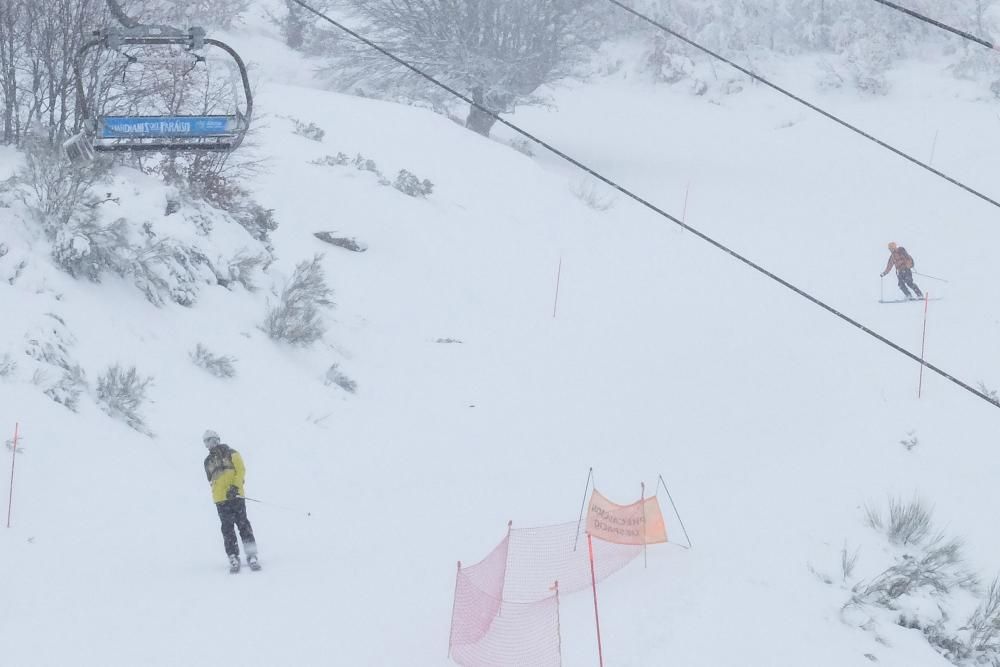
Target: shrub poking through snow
point(7, 366)
point(310, 131)
point(409, 184)
point(297, 318)
point(406, 181)
point(68, 388)
point(56, 193)
point(907, 523)
point(121, 393)
point(218, 365)
point(590, 193)
point(984, 626)
point(936, 569)
point(990, 393)
point(923, 584)
point(334, 376)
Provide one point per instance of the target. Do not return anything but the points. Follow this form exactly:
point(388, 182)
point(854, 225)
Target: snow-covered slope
point(773, 422)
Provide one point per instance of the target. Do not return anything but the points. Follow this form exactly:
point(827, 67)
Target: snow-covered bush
point(218, 180)
point(299, 27)
point(87, 248)
point(7, 366)
point(121, 393)
point(218, 365)
point(297, 318)
point(522, 145)
point(406, 181)
point(936, 568)
point(48, 345)
point(593, 194)
point(666, 65)
point(922, 583)
point(243, 268)
point(310, 131)
point(68, 388)
point(335, 376)
point(56, 194)
point(983, 627)
point(212, 13)
point(409, 184)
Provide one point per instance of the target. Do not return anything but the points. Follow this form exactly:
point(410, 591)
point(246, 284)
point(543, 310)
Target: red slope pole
point(13, 458)
point(593, 583)
point(923, 342)
point(555, 302)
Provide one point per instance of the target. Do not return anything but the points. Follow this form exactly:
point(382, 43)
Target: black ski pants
point(905, 278)
point(233, 515)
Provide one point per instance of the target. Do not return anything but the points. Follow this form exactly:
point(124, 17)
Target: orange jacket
point(900, 259)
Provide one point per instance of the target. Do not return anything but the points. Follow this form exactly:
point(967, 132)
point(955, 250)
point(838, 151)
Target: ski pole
point(280, 507)
point(924, 275)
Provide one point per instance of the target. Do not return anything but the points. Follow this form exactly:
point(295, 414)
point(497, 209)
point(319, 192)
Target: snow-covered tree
point(497, 52)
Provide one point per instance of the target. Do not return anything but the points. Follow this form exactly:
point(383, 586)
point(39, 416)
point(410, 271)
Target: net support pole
point(593, 585)
point(642, 506)
point(583, 504)
point(670, 498)
point(555, 587)
point(454, 603)
point(13, 459)
point(923, 343)
point(503, 581)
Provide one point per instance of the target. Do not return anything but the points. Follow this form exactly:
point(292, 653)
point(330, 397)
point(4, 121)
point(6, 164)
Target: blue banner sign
point(171, 127)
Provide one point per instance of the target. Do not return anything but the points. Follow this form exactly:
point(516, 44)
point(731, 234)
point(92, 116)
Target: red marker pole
point(923, 342)
point(13, 458)
point(593, 583)
point(555, 302)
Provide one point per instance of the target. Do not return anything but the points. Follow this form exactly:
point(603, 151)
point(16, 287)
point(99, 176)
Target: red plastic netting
point(523, 634)
point(506, 611)
point(540, 556)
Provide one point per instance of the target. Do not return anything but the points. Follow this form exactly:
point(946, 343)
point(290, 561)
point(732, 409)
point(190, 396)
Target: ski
point(933, 298)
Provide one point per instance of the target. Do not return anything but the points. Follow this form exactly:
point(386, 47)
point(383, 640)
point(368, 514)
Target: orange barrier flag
point(638, 523)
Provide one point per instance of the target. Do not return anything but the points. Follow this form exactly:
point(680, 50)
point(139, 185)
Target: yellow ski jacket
point(224, 468)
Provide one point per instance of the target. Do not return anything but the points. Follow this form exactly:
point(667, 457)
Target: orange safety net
point(506, 609)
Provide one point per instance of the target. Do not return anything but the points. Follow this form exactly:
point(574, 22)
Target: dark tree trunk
point(479, 121)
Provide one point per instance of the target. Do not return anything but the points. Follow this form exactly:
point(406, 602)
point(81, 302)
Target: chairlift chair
point(119, 133)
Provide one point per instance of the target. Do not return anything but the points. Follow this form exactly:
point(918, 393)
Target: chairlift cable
point(810, 105)
point(649, 205)
point(944, 26)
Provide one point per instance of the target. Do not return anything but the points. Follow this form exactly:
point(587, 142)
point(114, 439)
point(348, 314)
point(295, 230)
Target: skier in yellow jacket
point(225, 471)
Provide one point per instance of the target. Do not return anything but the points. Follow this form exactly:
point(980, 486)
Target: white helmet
point(211, 438)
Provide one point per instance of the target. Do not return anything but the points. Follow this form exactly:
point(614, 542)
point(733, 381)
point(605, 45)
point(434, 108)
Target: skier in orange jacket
point(901, 259)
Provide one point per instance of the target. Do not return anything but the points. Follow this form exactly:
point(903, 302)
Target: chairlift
point(134, 133)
